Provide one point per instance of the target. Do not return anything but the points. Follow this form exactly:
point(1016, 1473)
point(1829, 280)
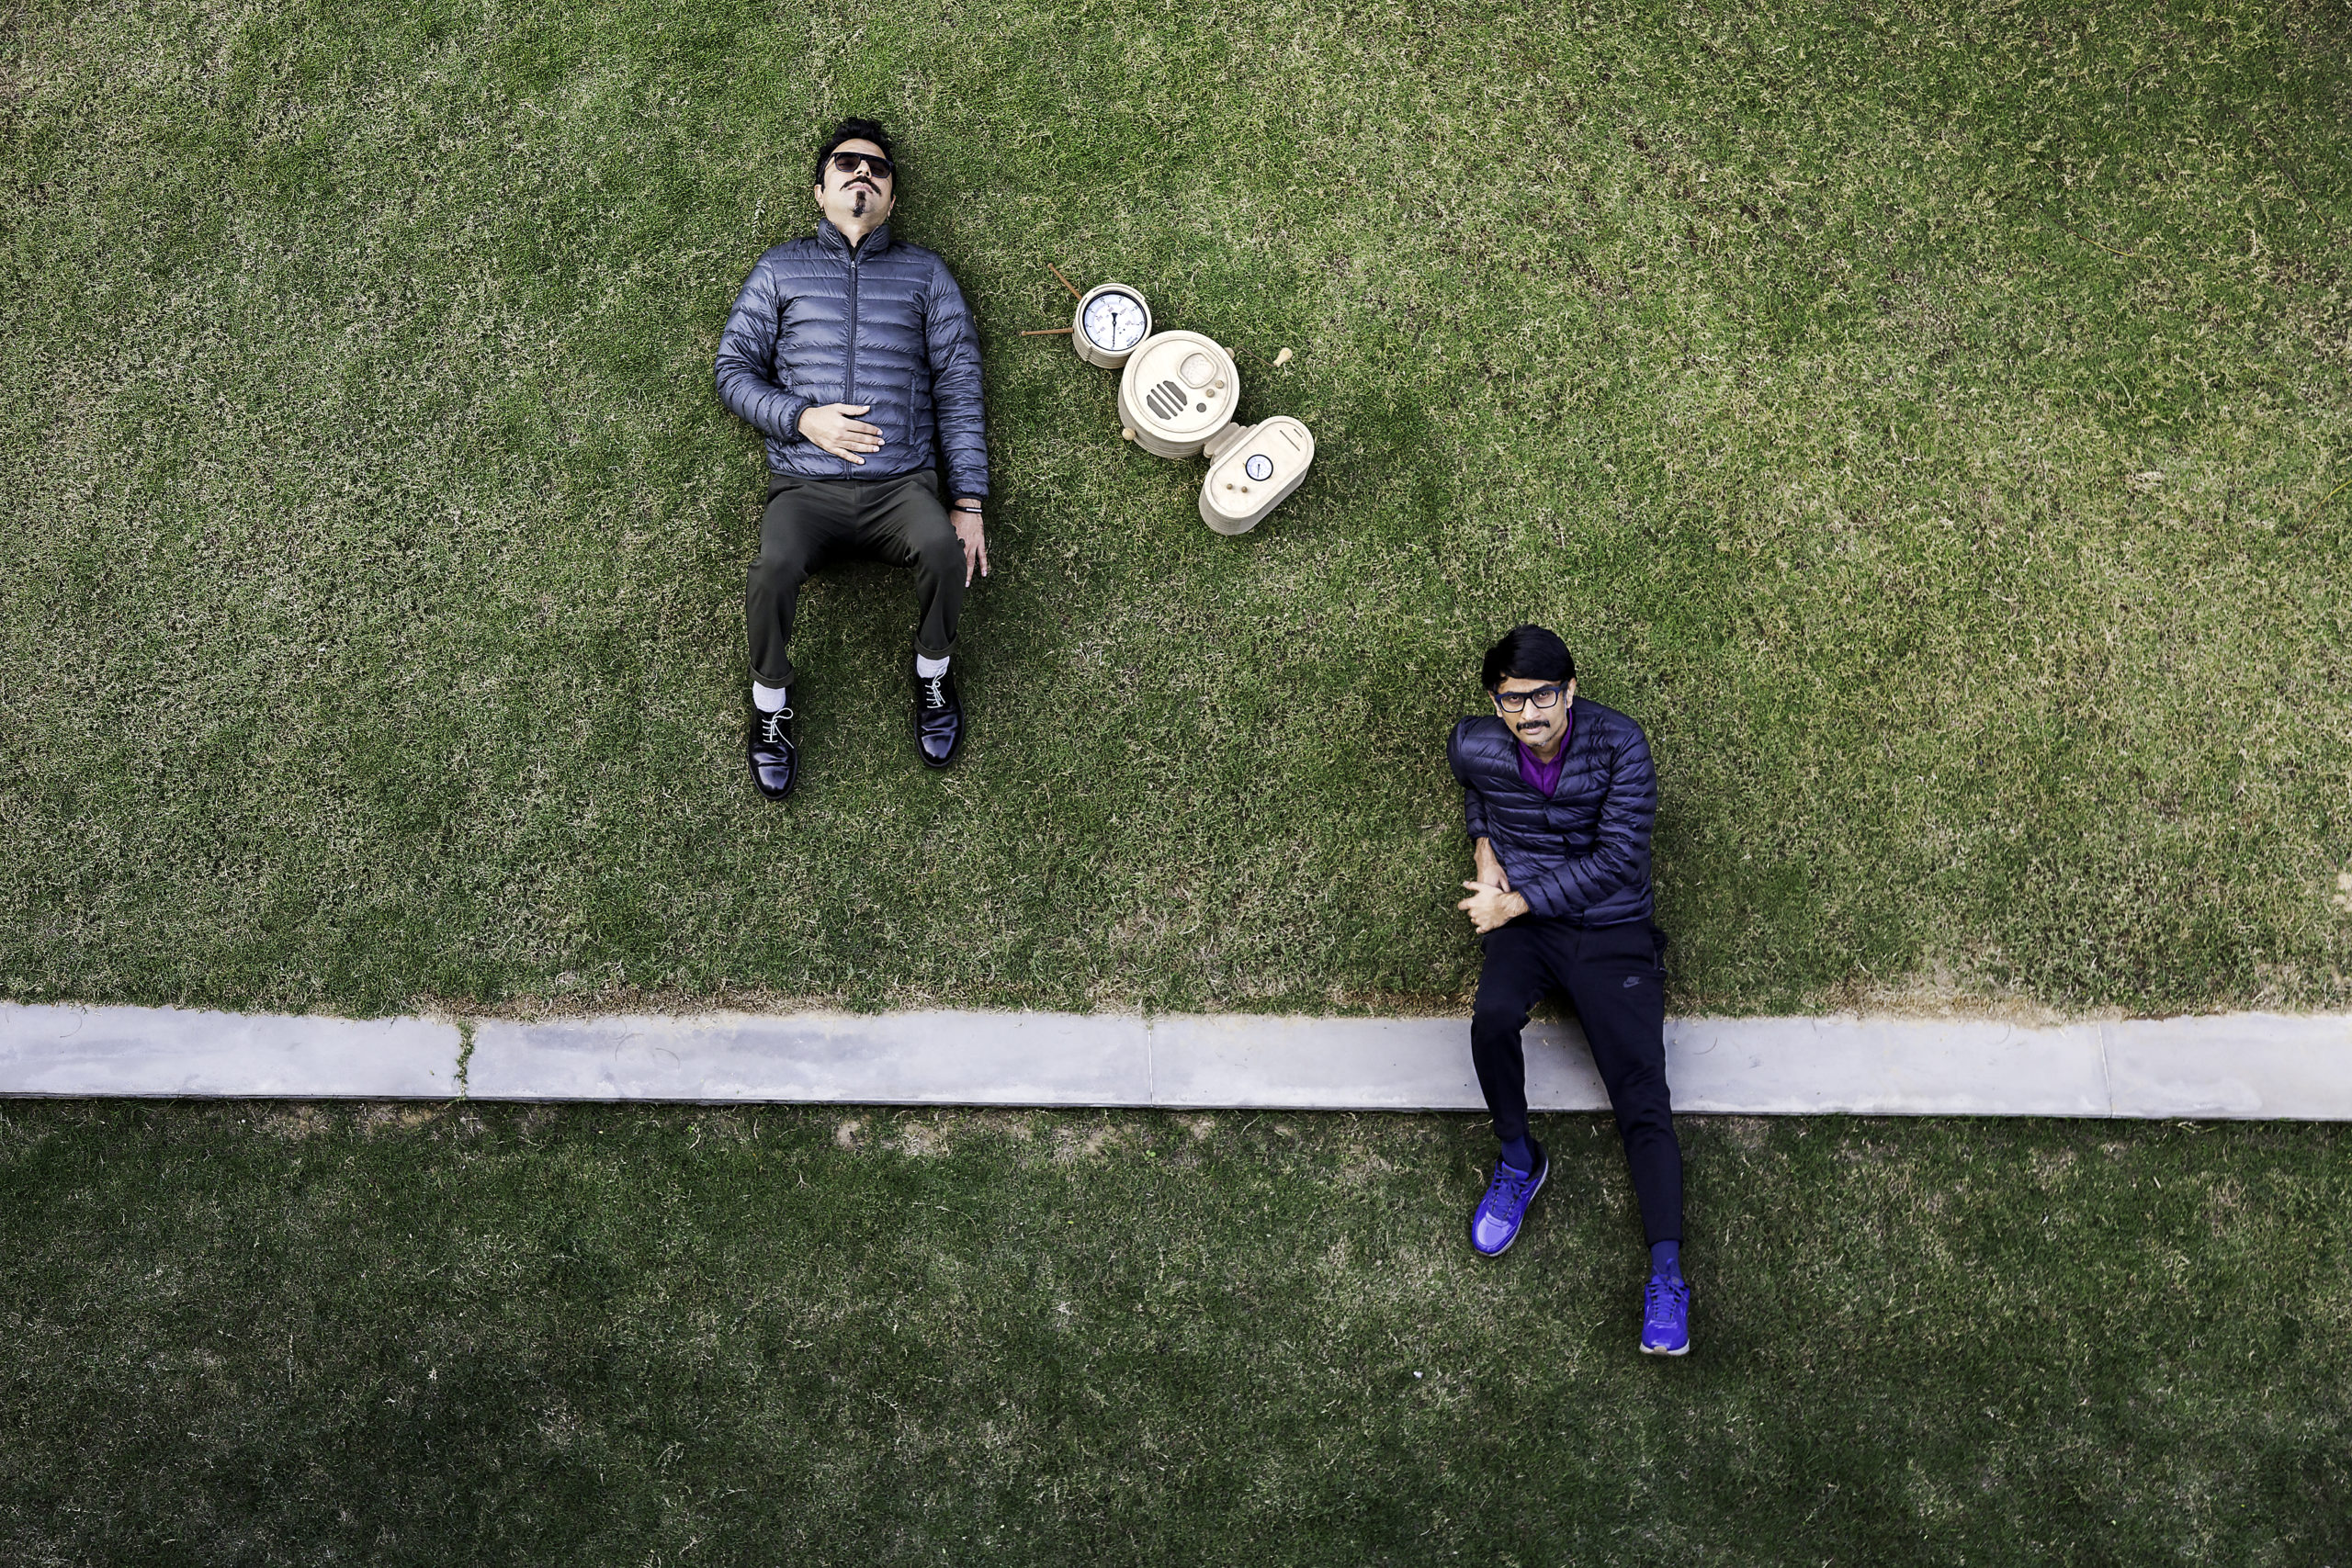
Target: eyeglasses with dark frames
point(1516, 701)
point(851, 162)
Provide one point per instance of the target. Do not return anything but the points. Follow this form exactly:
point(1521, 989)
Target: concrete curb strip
point(169, 1051)
point(2243, 1064)
point(913, 1058)
point(1257, 1062)
point(1898, 1066)
point(2236, 1064)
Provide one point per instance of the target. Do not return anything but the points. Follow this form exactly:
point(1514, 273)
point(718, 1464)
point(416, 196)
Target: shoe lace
point(934, 691)
point(1508, 1184)
point(773, 726)
point(1663, 1297)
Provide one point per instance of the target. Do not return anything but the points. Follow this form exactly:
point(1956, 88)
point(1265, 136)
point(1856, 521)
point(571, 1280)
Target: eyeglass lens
point(850, 163)
point(1516, 701)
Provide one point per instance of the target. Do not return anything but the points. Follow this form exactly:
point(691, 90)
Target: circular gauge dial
point(1260, 466)
point(1114, 322)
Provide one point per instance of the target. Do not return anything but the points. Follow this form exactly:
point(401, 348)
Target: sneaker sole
point(1541, 1177)
point(1650, 1349)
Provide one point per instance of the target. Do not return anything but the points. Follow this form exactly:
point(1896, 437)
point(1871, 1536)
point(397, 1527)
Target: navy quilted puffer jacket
point(883, 325)
point(1583, 854)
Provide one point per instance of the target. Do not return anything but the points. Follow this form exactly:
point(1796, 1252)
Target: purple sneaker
point(1666, 1316)
point(1494, 1223)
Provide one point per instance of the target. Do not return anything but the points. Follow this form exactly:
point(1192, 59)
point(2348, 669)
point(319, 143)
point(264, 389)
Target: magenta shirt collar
point(1545, 777)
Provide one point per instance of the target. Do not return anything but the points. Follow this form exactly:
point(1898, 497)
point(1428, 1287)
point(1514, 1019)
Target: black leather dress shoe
point(939, 720)
point(776, 755)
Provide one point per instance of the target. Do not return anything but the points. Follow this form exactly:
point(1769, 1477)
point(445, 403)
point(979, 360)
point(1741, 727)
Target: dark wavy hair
point(1527, 653)
point(858, 130)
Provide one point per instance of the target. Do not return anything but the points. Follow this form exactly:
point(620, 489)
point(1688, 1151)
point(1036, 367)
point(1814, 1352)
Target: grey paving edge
point(171, 1052)
point(2226, 1065)
point(908, 1058)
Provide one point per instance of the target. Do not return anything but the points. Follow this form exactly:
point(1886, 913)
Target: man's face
point(861, 195)
point(1538, 726)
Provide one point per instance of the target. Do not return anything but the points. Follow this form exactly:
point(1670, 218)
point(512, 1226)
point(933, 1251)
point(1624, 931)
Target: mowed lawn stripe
point(1923, 421)
point(285, 1333)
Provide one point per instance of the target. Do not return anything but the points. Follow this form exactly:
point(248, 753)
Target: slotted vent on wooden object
point(1166, 400)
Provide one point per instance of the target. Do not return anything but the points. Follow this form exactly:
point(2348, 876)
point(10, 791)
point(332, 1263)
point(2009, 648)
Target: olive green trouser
point(809, 523)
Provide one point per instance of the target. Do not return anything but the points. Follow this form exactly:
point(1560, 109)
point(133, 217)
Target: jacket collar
point(837, 244)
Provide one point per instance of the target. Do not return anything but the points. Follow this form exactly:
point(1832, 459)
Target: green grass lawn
point(1928, 420)
point(249, 1334)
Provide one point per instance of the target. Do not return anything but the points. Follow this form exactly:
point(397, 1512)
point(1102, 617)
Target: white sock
point(926, 668)
point(767, 699)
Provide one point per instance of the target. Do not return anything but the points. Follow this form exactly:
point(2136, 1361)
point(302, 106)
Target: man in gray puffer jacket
point(1560, 795)
point(854, 354)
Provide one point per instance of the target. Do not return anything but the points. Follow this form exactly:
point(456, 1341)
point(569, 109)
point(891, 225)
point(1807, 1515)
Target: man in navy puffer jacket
point(1560, 796)
point(854, 354)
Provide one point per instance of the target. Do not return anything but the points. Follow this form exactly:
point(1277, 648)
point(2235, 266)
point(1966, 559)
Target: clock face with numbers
point(1112, 320)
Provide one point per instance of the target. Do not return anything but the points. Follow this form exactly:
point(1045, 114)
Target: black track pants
point(1615, 976)
point(811, 522)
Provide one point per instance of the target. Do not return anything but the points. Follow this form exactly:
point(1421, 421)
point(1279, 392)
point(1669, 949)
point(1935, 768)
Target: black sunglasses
point(851, 162)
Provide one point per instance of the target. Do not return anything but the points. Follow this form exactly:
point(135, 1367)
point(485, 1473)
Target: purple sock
point(1666, 1258)
point(1518, 1154)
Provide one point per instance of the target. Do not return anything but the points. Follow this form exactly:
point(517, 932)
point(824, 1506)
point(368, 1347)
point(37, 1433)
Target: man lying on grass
point(1560, 796)
point(855, 355)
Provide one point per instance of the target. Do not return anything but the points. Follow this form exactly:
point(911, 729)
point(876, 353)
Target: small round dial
point(1116, 321)
point(1260, 466)
point(1111, 321)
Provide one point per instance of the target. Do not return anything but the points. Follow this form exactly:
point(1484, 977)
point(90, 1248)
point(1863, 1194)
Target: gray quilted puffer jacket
point(883, 325)
point(1582, 856)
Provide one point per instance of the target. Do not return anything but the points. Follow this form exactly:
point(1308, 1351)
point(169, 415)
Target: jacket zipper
point(849, 383)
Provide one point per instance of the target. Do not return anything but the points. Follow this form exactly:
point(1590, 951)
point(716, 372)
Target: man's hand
point(976, 543)
point(1490, 906)
point(833, 428)
point(1490, 866)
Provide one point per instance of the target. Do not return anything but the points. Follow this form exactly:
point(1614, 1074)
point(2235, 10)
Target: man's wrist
point(966, 503)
